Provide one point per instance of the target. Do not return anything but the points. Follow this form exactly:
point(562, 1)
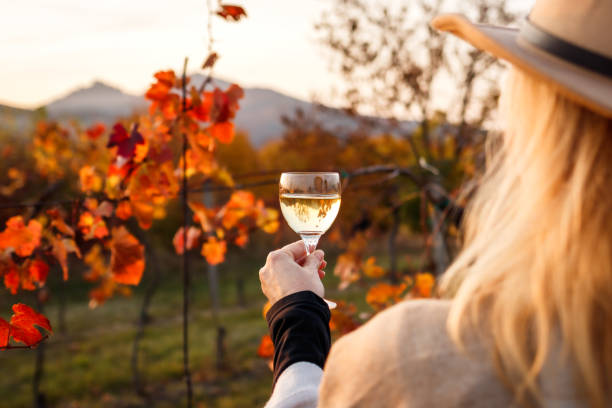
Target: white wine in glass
point(310, 202)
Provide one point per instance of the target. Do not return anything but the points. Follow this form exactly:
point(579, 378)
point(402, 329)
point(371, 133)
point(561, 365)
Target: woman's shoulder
point(407, 330)
point(410, 316)
point(404, 356)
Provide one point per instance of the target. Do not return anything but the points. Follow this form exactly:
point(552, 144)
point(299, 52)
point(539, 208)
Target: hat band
point(565, 50)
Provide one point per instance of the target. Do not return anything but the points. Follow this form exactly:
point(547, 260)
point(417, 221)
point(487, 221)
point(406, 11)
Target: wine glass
point(310, 202)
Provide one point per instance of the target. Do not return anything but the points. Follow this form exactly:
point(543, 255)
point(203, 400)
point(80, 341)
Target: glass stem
point(310, 242)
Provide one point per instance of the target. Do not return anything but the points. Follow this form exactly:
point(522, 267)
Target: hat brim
point(585, 87)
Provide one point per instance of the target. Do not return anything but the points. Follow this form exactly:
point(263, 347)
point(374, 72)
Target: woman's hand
point(288, 270)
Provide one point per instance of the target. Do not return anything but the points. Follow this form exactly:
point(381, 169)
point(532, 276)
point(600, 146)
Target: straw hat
point(566, 43)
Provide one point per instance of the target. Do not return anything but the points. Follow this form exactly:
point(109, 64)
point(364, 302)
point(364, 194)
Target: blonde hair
point(536, 267)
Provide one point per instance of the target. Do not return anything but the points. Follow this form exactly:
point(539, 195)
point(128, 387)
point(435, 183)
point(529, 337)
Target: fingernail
point(323, 264)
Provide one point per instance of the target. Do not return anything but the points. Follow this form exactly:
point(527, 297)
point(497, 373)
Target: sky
point(48, 48)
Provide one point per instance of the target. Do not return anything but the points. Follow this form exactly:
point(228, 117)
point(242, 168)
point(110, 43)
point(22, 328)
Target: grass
point(89, 365)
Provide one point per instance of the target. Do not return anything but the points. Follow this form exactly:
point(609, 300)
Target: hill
point(260, 112)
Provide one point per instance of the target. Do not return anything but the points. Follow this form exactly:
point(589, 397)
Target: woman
point(529, 322)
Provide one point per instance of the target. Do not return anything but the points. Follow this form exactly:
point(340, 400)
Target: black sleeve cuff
point(299, 328)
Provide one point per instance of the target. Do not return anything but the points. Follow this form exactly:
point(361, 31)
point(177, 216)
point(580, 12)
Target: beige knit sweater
point(404, 357)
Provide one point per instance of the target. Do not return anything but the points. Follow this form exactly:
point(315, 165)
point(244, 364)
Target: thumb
point(314, 260)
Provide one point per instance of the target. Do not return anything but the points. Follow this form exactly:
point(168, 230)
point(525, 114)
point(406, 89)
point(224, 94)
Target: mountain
point(260, 110)
point(15, 118)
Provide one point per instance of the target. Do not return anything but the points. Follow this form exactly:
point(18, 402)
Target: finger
point(296, 250)
point(314, 260)
point(321, 274)
point(323, 264)
point(303, 259)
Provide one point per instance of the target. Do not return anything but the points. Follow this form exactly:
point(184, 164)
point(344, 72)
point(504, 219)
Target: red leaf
point(231, 12)
point(5, 330)
point(210, 60)
point(243, 236)
point(12, 279)
point(23, 325)
point(193, 235)
point(38, 271)
point(223, 132)
point(158, 91)
point(124, 210)
point(105, 209)
point(224, 104)
point(95, 131)
point(127, 257)
point(126, 144)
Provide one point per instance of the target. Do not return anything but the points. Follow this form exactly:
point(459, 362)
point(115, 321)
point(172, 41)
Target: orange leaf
point(201, 215)
point(58, 222)
point(214, 250)
point(23, 324)
point(90, 181)
point(143, 211)
point(267, 218)
point(371, 269)
point(127, 257)
point(17, 178)
point(231, 12)
point(20, 238)
point(92, 226)
point(266, 347)
point(223, 132)
point(264, 310)
point(96, 262)
point(98, 295)
point(423, 285)
point(166, 77)
point(60, 249)
point(383, 294)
